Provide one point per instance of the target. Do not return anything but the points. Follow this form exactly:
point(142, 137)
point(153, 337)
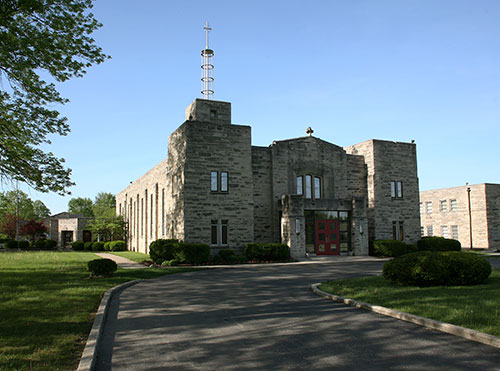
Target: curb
point(448, 328)
point(88, 359)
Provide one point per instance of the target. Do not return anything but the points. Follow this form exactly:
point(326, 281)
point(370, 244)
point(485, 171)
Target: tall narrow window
point(430, 231)
point(308, 186)
point(428, 207)
point(444, 231)
point(401, 231)
point(223, 181)
point(142, 217)
point(214, 180)
point(422, 232)
point(317, 187)
point(219, 232)
point(393, 189)
point(299, 185)
point(400, 189)
point(453, 205)
point(223, 232)
point(421, 208)
point(394, 231)
point(443, 206)
point(151, 217)
point(454, 232)
point(213, 239)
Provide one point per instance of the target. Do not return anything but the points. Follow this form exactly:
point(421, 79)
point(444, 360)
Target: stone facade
point(445, 212)
point(66, 228)
point(216, 188)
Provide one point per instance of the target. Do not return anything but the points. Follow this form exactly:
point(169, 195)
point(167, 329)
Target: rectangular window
point(308, 186)
point(214, 181)
point(444, 231)
point(400, 189)
point(299, 185)
point(317, 187)
point(213, 239)
point(393, 189)
point(219, 232)
point(453, 205)
point(428, 207)
point(421, 208)
point(430, 231)
point(223, 232)
point(422, 232)
point(443, 206)
point(401, 235)
point(454, 232)
point(394, 231)
point(223, 181)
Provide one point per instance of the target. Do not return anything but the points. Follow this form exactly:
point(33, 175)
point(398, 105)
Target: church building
point(318, 198)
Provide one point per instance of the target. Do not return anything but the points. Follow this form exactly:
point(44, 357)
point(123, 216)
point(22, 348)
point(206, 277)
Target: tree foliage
point(33, 229)
point(81, 205)
point(40, 36)
point(104, 205)
point(28, 209)
point(8, 225)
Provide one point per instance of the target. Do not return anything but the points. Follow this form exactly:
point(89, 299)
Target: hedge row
point(180, 252)
point(396, 248)
point(99, 246)
point(431, 268)
point(267, 252)
point(25, 245)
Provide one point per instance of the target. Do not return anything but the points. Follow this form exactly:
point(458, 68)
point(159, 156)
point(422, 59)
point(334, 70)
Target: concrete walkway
point(266, 318)
point(121, 261)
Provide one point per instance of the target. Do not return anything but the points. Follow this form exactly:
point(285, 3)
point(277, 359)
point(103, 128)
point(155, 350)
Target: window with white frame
point(444, 231)
point(443, 206)
point(421, 208)
point(453, 205)
point(430, 231)
point(428, 207)
point(219, 232)
point(454, 232)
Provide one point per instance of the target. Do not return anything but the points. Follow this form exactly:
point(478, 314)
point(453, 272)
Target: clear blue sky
point(352, 70)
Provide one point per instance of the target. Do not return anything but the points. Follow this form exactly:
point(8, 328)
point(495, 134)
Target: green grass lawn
point(474, 307)
point(138, 257)
point(48, 304)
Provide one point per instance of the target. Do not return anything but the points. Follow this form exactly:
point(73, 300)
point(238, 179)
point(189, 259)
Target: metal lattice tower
point(207, 69)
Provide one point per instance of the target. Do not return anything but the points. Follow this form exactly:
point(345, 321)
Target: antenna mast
point(207, 68)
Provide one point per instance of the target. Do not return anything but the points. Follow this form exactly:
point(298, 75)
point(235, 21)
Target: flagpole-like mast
point(207, 68)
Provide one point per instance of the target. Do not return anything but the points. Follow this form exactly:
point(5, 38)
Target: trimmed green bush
point(98, 246)
point(267, 252)
point(102, 267)
point(118, 246)
point(192, 253)
point(226, 255)
point(87, 246)
point(436, 243)
point(78, 245)
point(161, 250)
point(392, 248)
point(11, 244)
point(40, 244)
point(23, 245)
point(50, 244)
point(238, 259)
point(107, 246)
point(431, 268)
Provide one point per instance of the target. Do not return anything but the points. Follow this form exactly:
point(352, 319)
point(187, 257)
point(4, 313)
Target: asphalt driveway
point(265, 318)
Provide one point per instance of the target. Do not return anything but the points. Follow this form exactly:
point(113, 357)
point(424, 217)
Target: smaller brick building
point(445, 212)
point(66, 228)
point(318, 198)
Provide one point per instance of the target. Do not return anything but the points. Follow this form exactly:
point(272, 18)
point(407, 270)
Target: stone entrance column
point(293, 231)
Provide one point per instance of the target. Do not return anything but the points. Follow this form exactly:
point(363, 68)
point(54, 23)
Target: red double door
point(327, 237)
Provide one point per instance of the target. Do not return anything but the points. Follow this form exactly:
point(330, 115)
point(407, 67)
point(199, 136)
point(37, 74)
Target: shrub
point(102, 267)
point(170, 263)
point(118, 246)
point(40, 244)
point(50, 244)
point(467, 269)
point(11, 244)
point(23, 245)
point(431, 268)
point(161, 250)
point(87, 246)
point(78, 245)
point(192, 253)
point(392, 248)
point(98, 246)
point(238, 259)
point(267, 251)
point(226, 255)
point(107, 246)
point(435, 243)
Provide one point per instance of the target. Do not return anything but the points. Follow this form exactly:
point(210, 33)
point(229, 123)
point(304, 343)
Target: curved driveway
point(265, 318)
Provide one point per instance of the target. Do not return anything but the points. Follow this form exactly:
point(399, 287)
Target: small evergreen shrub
point(226, 255)
point(23, 245)
point(102, 267)
point(192, 253)
point(118, 246)
point(40, 244)
point(78, 245)
point(436, 243)
point(161, 250)
point(238, 259)
point(267, 252)
point(391, 248)
point(107, 246)
point(87, 246)
point(11, 244)
point(50, 244)
point(432, 268)
point(98, 246)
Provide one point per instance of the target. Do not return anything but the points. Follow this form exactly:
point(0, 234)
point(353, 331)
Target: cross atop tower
point(207, 29)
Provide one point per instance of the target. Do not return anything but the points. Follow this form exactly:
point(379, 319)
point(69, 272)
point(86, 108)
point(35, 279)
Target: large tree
point(49, 38)
point(104, 205)
point(81, 205)
point(14, 202)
